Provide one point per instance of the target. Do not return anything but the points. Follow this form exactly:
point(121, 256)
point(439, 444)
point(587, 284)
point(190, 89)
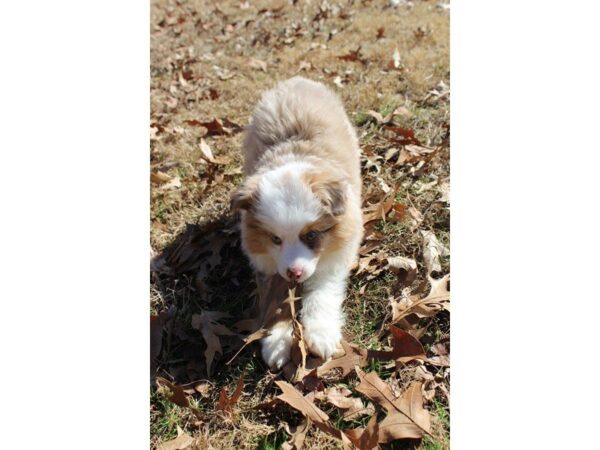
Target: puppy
point(300, 207)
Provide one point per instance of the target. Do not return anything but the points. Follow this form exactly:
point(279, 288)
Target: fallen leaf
point(434, 249)
point(353, 406)
point(181, 442)
point(174, 183)
point(159, 177)
point(416, 217)
point(226, 403)
point(405, 347)
point(353, 356)
point(404, 136)
point(406, 416)
point(403, 267)
point(297, 435)
point(299, 348)
point(395, 426)
point(215, 126)
point(257, 64)
point(177, 395)
point(207, 154)
point(352, 56)
point(444, 189)
point(437, 299)
point(206, 322)
point(365, 438)
point(379, 210)
point(296, 400)
point(269, 309)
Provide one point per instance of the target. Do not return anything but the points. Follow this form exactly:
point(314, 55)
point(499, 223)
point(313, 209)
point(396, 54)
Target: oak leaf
point(353, 356)
point(296, 400)
point(437, 299)
point(297, 435)
point(405, 347)
point(177, 394)
point(181, 442)
point(206, 322)
point(406, 416)
point(226, 403)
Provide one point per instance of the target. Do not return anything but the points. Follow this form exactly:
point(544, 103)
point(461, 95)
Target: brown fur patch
point(257, 239)
point(246, 196)
point(330, 191)
point(333, 233)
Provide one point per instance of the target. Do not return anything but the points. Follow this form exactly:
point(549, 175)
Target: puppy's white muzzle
point(296, 262)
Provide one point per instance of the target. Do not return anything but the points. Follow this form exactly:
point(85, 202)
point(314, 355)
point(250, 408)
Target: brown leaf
point(353, 55)
point(406, 136)
point(299, 348)
point(396, 426)
point(403, 267)
point(353, 356)
point(257, 64)
point(215, 126)
point(437, 300)
point(211, 330)
point(380, 210)
point(177, 395)
point(159, 177)
point(174, 183)
point(296, 400)
point(339, 396)
point(207, 154)
point(434, 249)
point(365, 438)
point(297, 435)
point(406, 416)
point(181, 442)
point(225, 403)
point(201, 387)
point(270, 309)
point(380, 32)
point(405, 348)
point(441, 350)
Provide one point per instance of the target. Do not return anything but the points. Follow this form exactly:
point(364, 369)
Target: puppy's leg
point(277, 346)
point(321, 314)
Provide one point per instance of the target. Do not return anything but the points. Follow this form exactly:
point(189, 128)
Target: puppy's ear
point(244, 198)
point(332, 195)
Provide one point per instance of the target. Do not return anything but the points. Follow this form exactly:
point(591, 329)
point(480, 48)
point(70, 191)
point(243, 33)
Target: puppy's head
point(291, 217)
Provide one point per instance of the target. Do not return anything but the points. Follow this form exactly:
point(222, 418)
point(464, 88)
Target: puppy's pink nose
point(294, 273)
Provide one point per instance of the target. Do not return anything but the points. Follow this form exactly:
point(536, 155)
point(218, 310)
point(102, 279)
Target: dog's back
point(301, 110)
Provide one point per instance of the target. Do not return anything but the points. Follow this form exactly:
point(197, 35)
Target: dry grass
point(195, 46)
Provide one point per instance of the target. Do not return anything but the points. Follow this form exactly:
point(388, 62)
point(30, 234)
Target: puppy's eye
point(276, 240)
point(311, 236)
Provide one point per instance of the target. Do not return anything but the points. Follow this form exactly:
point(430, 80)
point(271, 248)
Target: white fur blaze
point(276, 348)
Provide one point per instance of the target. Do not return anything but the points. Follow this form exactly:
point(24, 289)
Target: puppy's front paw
point(276, 348)
point(322, 339)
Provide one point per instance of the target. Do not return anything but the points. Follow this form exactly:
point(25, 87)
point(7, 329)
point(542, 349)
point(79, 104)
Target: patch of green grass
point(273, 441)
point(168, 416)
point(388, 107)
point(361, 118)
point(430, 444)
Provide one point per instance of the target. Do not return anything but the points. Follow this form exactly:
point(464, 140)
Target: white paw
point(322, 339)
point(276, 348)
